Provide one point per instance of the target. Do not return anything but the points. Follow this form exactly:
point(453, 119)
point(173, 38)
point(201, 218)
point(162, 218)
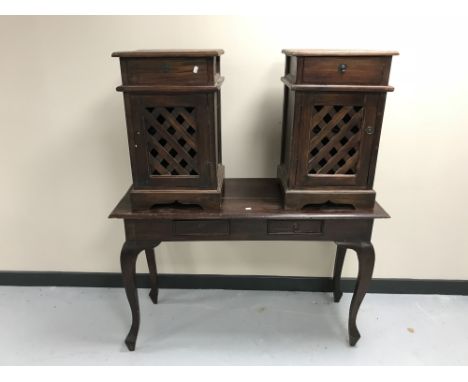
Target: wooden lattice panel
point(335, 134)
point(171, 134)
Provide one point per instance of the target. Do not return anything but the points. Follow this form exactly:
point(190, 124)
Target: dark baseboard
point(282, 283)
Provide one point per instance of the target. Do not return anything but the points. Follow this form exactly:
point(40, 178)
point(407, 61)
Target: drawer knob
point(342, 68)
point(165, 68)
point(369, 130)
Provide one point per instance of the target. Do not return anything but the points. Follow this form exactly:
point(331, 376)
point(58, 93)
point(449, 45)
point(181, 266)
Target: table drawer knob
point(165, 68)
point(342, 68)
point(294, 227)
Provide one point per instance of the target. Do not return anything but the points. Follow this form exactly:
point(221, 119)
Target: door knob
point(369, 130)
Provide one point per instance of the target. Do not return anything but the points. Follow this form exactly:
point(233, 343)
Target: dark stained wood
point(366, 258)
point(183, 72)
point(153, 273)
point(299, 198)
point(343, 132)
point(292, 227)
point(337, 269)
point(243, 229)
point(209, 199)
point(376, 142)
point(336, 88)
point(171, 89)
point(128, 259)
point(261, 196)
point(251, 210)
point(173, 142)
point(332, 119)
point(145, 53)
point(356, 70)
point(170, 71)
point(338, 52)
point(198, 227)
point(332, 116)
point(172, 107)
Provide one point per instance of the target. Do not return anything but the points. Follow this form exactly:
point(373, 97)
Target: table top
point(247, 198)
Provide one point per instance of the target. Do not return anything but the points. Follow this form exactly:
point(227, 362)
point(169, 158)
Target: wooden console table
point(251, 210)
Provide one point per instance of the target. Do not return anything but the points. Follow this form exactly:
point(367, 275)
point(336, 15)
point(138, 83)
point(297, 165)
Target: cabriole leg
point(128, 257)
point(366, 259)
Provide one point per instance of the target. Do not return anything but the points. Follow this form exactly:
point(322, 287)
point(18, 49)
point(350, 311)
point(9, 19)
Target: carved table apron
point(251, 210)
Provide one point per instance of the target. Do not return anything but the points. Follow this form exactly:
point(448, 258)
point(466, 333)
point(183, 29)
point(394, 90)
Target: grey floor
point(86, 326)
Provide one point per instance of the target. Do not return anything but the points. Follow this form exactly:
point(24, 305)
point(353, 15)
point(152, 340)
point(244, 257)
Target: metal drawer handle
point(342, 68)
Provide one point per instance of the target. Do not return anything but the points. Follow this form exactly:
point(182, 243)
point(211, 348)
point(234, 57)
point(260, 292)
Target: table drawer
point(166, 71)
point(346, 70)
point(201, 227)
point(282, 227)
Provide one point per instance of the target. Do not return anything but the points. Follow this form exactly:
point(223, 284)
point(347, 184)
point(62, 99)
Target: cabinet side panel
point(209, 154)
point(291, 68)
point(378, 130)
point(284, 125)
point(290, 149)
point(218, 126)
point(140, 178)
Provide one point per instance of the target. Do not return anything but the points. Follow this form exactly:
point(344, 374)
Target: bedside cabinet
point(172, 107)
point(333, 110)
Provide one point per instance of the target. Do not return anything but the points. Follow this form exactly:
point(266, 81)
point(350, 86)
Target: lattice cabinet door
point(335, 135)
point(172, 141)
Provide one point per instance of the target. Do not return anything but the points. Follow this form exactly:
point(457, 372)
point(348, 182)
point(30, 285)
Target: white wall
point(64, 159)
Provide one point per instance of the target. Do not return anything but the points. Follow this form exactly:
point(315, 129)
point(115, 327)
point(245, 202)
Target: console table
point(251, 209)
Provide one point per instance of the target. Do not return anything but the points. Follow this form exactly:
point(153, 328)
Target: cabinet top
point(338, 52)
point(170, 53)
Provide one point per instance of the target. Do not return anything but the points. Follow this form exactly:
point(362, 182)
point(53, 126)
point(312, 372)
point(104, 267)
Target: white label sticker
point(195, 69)
point(248, 208)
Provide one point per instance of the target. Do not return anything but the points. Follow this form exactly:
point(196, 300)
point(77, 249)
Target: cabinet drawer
point(201, 227)
point(346, 70)
point(294, 227)
point(166, 71)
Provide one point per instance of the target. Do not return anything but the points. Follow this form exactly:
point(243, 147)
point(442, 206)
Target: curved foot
point(337, 296)
point(354, 338)
point(154, 296)
point(130, 340)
